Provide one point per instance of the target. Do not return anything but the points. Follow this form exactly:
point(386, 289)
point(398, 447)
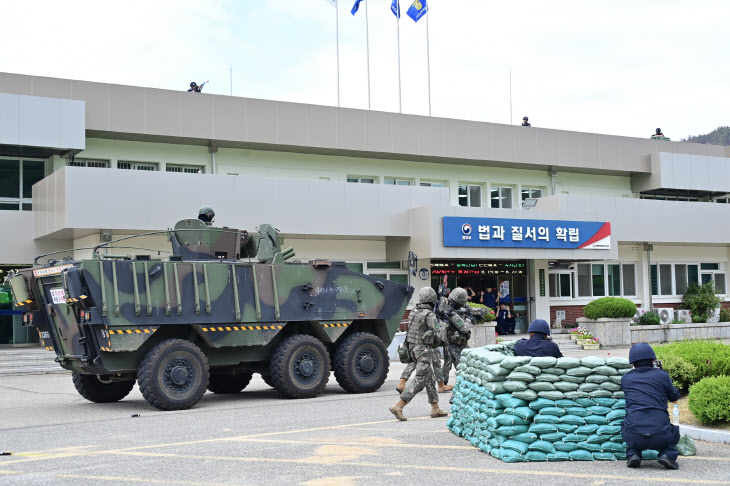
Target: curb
point(698, 433)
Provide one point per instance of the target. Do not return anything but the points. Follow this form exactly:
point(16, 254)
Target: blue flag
point(395, 8)
point(355, 7)
point(418, 9)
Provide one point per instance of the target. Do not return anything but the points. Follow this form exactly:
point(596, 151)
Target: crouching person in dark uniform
point(539, 343)
point(646, 425)
point(424, 335)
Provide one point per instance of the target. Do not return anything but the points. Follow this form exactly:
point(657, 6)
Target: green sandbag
point(585, 402)
point(515, 445)
point(619, 439)
point(606, 402)
point(604, 456)
point(526, 395)
point(514, 385)
point(542, 446)
point(605, 370)
point(484, 447)
point(546, 419)
point(686, 446)
point(597, 379)
point(649, 454)
point(592, 361)
point(492, 422)
point(573, 420)
point(558, 456)
point(597, 410)
point(540, 429)
point(579, 411)
point(541, 403)
point(590, 447)
point(601, 393)
point(596, 419)
point(539, 386)
point(616, 414)
point(565, 386)
point(567, 428)
point(493, 412)
point(490, 403)
point(494, 388)
point(474, 441)
point(553, 436)
point(509, 419)
point(513, 458)
point(615, 379)
point(596, 439)
point(497, 370)
point(566, 446)
point(608, 430)
point(620, 403)
point(609, 446)
point(510, 402)
point(579, 371)
point(624, 371)
point(496, 440)
point(565, 403)
point(581, 455)
point(572, 379)
point(546, 377)
point(567, 363)
point(551, 395)
point(535, 456)
point(507, 455)
point(587, 429)
point(610, 386)
point(510, 430)
point(543, 362)
point(574, 438)
point(520, 376)
point(512, 362)
point(553, 371)
point(618, 363)
point(556, 411)
point(524, 413)
point(618, 395)
point(526, 437)
point(528, 368)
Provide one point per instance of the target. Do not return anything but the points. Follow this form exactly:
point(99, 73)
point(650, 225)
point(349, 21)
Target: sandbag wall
point(540, 409)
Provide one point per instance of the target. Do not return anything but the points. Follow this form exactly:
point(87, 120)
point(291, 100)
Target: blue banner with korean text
point(526, 233)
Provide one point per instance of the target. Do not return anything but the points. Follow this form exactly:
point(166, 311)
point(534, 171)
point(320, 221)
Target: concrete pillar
point(540, 307)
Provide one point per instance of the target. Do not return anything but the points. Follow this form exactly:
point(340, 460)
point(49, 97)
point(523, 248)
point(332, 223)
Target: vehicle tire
point(93, 389)
point(300, 367)
point(361, 363)
point(173, 375)
point(227, 384)
point(266, 376)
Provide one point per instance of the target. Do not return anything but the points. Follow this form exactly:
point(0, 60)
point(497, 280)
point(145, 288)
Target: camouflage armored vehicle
point(225, 305)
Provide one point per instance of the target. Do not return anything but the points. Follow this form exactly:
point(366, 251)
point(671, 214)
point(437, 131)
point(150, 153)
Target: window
point(432, 184)
point(674, 278)
point(723, 200)
point(397, 182)
point(101, 164)
point(361, 180)
point(470, 195)
point(599, 280)
point(17, 177)
point(629, 278)
point(613, 279)
point(388, 270)
point(530, 193)
point(137, 165)
point(185, 169)
point(501, 197)
point(561, 284)
point(711, 271)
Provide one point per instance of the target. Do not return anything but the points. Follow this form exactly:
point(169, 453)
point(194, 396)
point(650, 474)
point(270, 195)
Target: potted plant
point(592, 343)
point(574, 333)
point(609, 319)
point(584, 337)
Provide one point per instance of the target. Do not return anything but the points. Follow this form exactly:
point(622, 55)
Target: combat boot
point(401, 386)
point(397, 410)
point(444, 388)
point(436, 412)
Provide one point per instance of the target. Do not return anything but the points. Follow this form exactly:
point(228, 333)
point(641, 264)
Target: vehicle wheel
point(223, 383)
point(300, 367)
point(266, 376)
point(173, 375)
point(361, 363)
point(93, 389)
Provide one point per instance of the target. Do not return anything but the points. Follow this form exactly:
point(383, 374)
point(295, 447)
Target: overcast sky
point(623, 67)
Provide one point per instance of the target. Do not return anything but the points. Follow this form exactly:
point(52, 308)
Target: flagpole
point(337, 41)
point(400, 102)
point(367, 43)
point(428, 58)
point(510, 96)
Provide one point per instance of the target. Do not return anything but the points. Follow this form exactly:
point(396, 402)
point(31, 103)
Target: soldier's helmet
point(427, 295)
point(641, 351)
point(193, 84)
point(206, 214)
point(458, 296)
point(539, 325)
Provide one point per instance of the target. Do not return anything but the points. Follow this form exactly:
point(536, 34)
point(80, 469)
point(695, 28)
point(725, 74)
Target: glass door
point(513, 292)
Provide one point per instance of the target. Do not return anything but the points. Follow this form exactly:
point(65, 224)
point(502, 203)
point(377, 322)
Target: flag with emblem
point(395, 8)
point(417, 10)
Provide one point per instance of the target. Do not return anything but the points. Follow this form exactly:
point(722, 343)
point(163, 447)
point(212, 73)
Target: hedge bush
point(680, 371)
point(724, 315)
point(701, 300)
point(649, 319)
point(710, 358)
point(609, 307)
point(709, 399)
point(487, 317)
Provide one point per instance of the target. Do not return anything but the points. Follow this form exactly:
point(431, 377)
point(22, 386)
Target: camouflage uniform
point(436, 363)
point(457, 337)
point(421, 340)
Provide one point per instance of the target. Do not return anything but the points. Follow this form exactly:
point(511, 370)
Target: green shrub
point(681, 372)
point(609, 307)
point(701, 300)
point(710, 358)
point(724, 315)
point(709, 399)
point(488, 316)
point(649, 319)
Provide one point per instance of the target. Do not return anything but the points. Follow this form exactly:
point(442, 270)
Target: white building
point(81, 162)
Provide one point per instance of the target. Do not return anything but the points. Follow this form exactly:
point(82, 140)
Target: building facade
point(554, 219)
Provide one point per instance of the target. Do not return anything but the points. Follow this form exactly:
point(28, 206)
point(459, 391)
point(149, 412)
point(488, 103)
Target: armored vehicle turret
point(225, 305)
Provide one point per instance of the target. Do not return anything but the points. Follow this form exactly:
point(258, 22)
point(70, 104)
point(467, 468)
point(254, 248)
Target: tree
point(719, 136)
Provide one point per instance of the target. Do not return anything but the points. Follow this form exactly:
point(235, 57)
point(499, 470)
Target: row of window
point(17, 177)
point(151, 166)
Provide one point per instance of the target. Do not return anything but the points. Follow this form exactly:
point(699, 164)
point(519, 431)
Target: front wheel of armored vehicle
point(361, 363)
point(300, 367)
point(173, 375)
point(222, 383)
point(99, 391)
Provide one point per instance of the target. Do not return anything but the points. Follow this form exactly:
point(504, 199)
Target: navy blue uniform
point(647, 425)
point(490, 300)
point(502, 324)
point(537, 346)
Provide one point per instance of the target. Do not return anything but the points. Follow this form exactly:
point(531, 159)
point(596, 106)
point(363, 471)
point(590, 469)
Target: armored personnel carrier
point(225, 305)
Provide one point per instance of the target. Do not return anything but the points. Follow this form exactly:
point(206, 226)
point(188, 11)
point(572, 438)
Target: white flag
point(332, 2)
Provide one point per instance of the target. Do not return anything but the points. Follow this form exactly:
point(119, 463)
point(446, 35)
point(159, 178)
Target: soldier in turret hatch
point(206, 215)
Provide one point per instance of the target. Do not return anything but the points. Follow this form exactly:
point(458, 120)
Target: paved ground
point(257, 438)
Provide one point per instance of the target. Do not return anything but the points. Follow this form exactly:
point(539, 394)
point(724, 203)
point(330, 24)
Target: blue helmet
point(640, 352)
point(539, 325)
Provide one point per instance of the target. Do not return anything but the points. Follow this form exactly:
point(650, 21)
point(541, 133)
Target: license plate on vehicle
point(58, 296)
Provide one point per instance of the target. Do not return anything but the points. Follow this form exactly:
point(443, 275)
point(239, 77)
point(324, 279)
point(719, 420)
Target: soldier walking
point(458, 331)
point(423, 337)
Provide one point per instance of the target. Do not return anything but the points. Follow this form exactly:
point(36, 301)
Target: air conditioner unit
point(714, 315)
point(666, 314)
point(639, 312)
point(683, 315)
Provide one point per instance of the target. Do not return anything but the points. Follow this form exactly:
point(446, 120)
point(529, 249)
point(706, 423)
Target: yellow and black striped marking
point(337, 324)
point(133, 331)
point(242, 328)
point(18, 304)
point(106, 349)
point(49, 348)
